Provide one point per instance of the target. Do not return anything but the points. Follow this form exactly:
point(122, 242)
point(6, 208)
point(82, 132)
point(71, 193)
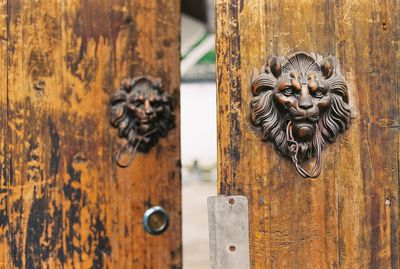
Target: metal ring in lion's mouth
point(132, 149)
point(293, 147)
point(129, 149)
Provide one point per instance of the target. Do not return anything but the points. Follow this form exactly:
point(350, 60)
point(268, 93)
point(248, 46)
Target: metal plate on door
point(228, 223)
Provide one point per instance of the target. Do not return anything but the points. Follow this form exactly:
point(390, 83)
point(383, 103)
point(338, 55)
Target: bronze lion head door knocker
point(143, 113)
point(300, 105)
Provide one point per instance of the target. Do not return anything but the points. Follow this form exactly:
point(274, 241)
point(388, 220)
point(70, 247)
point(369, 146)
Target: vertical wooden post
point(4, 258)
point(348, 217)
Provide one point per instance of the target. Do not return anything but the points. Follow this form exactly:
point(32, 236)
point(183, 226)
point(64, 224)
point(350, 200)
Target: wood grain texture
point(349, 216)
point(66, 204)
point(4, 257)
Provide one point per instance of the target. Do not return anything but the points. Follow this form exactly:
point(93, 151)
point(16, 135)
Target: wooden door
point(64, 201)
point(347, 217)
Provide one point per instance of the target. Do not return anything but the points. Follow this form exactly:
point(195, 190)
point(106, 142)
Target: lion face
point(142, 112)
point(300, 105)
point(303, 98)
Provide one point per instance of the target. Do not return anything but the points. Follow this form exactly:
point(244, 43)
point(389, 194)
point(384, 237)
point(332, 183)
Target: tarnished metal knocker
point(300, 103)
point(142, 112)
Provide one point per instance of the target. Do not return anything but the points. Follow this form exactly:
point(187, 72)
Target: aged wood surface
point(349, 216)
point(64, 202)
point(4, 250)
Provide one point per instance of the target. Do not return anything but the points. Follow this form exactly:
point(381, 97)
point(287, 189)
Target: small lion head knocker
point(142, 112)
point(300, 105)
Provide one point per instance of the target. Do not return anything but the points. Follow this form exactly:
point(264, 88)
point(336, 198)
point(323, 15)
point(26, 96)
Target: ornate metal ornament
point(142, 112)
point(300, 104)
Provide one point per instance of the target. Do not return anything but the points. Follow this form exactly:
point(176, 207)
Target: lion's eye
point(288, 91)
point(155, 103)
point(319, 93)
point(137, 103)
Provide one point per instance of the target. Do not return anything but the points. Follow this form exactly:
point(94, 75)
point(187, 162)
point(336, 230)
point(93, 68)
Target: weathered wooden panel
point(4, 257)
point(349, 216)
point(67, 205)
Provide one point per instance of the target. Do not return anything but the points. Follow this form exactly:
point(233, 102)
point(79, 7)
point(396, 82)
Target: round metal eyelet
point(155, 220)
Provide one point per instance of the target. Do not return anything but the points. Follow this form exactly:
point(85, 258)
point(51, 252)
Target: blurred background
point(198, 128)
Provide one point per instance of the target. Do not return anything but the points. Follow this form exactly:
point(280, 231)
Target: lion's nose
point(305, 102)
point(148, 108)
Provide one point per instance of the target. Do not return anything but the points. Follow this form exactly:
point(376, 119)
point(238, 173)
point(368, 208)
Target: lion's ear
point(275, 66)
point(157, 83)
point(327, 66)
